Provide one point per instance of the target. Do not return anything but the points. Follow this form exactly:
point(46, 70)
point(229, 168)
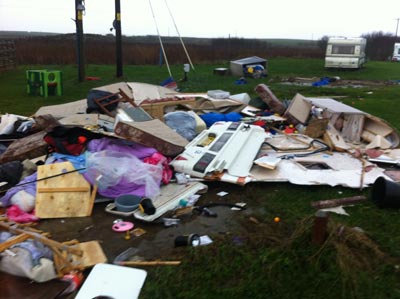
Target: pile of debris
point(159, 146)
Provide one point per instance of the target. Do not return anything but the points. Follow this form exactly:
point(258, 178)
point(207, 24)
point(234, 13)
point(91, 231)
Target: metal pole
point(79, 8)
point(118, 37)
point(397, 26)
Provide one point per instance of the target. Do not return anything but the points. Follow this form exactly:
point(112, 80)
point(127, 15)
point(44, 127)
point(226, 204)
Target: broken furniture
point(153, 133)
point(112, 100)
point(346, 124)
point(157, 108)
point(68, 256)
point(62, 252)
point(67, 195)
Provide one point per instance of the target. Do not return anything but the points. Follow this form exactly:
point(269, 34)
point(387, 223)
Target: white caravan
point(345, 53)
point(396, 52)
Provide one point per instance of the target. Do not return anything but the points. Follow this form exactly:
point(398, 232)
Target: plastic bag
point(117, 173)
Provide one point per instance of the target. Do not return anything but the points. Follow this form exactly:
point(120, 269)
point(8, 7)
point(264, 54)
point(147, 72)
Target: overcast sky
point(307, 19)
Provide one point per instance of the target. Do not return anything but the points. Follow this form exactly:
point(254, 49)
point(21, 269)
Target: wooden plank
point(65, 189)
point(9, 226)
point(64, 196)
point(92, 254)
point(150, 263)
point(12, 241)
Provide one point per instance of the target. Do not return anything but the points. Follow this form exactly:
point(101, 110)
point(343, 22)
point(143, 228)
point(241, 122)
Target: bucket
point(385, 194)
point(127, 203)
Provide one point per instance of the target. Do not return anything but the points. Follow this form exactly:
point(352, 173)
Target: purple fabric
point(124, 186)
point(30, 188)
point(122, 146)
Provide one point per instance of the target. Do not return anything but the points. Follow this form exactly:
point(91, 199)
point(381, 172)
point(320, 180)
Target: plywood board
point(67, 195)
point(376, 127)
point(335, 139)
point(63, 110)
point(93, 254)
point(299, 108)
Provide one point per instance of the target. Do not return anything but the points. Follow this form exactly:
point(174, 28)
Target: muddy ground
point(158, 240)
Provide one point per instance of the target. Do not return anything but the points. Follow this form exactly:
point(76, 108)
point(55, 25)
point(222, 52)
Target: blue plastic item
point(212, 117)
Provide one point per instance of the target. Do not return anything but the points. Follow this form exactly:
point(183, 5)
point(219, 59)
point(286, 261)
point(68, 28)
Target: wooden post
point(319, 232)
point(79, 9)
point(118, 39)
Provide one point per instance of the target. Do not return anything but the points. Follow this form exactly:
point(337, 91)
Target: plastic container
point(386, 194)
point(187, 240)
point(127, 203)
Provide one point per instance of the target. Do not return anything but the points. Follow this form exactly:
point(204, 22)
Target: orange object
point(82, 139)
point(277, 219)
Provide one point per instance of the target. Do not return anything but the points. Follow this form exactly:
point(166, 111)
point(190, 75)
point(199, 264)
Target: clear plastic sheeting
point(117, 173)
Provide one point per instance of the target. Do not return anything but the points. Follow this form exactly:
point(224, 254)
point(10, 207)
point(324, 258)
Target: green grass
point(275, 260)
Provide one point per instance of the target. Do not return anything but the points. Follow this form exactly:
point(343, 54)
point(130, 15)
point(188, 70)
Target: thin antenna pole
point(79, 9)
point(176, 27)
point(118, 38)
point(159, 37)
point(397, 26)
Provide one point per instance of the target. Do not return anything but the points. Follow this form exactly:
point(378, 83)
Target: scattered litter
point(204, 211)
point(254, 220)
point(205, 240)
point(239, 206)
point(137, 232)
point(222, 193)
point(238, 240)
point(330, 203)
point(338, 210)
point(187, 240)
point(277, 219)
point(171, 221)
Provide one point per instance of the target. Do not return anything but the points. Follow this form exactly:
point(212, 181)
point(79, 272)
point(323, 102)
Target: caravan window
point(343, 49)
